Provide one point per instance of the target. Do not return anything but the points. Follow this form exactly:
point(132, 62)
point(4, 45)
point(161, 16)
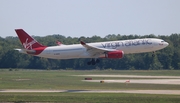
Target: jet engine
point(115, 54)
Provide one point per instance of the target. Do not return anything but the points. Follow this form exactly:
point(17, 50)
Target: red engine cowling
point(115, 54)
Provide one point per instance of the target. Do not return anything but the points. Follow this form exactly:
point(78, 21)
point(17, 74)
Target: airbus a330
point(109, 49)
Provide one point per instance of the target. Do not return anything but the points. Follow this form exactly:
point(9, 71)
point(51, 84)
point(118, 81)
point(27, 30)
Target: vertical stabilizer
point(27, 41)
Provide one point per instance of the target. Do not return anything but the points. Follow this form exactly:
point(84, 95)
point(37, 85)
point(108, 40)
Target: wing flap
point(95, 51)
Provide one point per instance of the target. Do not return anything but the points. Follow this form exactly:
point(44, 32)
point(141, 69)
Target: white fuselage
point(127, 46)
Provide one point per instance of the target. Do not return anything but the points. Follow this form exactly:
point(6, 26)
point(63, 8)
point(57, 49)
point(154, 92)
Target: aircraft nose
point(166, 43)
point(163, 43)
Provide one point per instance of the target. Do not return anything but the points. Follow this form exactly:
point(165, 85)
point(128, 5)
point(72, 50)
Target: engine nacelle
point(115, 54)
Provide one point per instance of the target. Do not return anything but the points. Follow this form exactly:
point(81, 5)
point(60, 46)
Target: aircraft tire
point(93, 61)
point(153, 55)
point(97, 60)
point(89, 63)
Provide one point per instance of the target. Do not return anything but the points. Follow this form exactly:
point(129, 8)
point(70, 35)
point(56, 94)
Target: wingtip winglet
point(82, 43)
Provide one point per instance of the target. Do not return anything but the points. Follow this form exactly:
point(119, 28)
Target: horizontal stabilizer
point(26, 51)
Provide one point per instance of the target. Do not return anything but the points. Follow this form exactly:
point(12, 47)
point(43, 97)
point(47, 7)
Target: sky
point(87, 18)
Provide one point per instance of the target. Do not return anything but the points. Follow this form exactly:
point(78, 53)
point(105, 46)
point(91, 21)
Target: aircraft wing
point(95, 51)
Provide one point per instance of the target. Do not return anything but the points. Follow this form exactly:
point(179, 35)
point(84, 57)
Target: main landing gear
point(93, 61)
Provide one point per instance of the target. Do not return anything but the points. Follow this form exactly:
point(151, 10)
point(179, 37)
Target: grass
point(88, 97)
point(64, 80)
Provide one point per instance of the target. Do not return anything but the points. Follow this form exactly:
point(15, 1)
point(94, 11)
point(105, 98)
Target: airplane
point(108, 49)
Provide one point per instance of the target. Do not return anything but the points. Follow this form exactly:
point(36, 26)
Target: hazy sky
point(77, 18)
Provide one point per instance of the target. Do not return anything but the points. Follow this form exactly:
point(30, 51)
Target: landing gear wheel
point(153, 54)
point(93, 62)
point(89, 63)
point(97, 60)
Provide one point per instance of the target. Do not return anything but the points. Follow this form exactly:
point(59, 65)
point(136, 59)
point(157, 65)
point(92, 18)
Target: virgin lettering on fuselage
point(126, 43)
point(110, 49)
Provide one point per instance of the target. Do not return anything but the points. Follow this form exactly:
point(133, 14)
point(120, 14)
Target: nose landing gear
point(153, 54)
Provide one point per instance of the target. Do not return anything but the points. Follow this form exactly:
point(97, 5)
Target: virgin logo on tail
point(28, 45)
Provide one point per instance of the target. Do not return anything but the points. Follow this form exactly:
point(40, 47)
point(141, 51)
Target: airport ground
point(161, 86)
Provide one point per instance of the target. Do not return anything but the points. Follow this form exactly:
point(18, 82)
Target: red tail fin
point(27, 41)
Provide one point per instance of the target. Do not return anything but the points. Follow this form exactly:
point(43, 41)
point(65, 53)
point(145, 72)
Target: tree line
point(168, 58)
